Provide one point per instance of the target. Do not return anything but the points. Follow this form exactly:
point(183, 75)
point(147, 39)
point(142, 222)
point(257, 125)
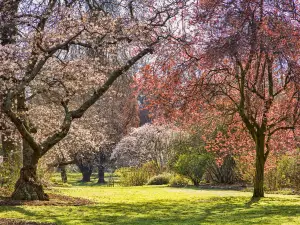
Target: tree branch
point(78, 113)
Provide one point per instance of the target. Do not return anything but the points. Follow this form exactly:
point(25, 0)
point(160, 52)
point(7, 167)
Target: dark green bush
point(160, 179)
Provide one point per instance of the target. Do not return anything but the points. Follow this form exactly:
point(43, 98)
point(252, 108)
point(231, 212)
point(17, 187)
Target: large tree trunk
point(101, 175)
point(8, 29)
point(259, 168)
point(28, 187)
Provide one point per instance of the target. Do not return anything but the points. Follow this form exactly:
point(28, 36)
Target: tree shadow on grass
point(252, 201)
point(227, 210)
point(27, 215)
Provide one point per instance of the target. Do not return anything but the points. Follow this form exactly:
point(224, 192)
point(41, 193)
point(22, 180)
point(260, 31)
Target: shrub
point(137, 176)
point(132, 176)
point(151, 168)
point(160, 179)
point(192, 166)
point(178, 181)
point(284, 175)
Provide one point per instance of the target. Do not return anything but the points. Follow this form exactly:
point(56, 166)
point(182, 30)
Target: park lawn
point(161, 205)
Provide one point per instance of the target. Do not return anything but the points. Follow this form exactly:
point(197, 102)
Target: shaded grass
point(74, 179)
point(162, 205)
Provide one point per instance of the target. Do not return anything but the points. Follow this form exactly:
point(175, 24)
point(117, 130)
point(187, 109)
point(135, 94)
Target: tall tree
point(240, 58)
point(50, 34)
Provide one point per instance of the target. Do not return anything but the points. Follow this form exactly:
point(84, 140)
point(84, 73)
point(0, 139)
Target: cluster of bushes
point(190, 163)
point(173, 180)
point(196, 168)
point(138, 177)
point(187, 168)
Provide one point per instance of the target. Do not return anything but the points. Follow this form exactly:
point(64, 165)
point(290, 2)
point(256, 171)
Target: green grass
point(162, 205)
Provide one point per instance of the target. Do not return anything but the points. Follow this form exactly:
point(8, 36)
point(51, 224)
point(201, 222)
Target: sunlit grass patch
point(162, 205)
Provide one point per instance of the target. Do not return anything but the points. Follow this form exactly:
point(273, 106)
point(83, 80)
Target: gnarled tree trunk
point(28, 187)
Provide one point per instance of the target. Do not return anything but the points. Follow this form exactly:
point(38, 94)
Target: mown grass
point(161, 205)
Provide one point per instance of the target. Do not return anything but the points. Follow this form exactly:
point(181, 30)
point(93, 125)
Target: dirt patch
point(21, 222)
point(55, 200)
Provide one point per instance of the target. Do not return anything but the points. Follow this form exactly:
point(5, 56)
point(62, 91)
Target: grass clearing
point(161, 205)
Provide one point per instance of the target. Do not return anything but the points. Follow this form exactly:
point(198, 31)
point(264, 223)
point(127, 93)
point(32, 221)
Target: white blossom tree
point(49, 61)
point(146, 143)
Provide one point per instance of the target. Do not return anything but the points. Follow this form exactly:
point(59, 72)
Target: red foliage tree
point(238, 60)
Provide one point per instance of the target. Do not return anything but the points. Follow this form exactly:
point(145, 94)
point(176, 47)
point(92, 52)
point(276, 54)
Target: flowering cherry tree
point(48, 64)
